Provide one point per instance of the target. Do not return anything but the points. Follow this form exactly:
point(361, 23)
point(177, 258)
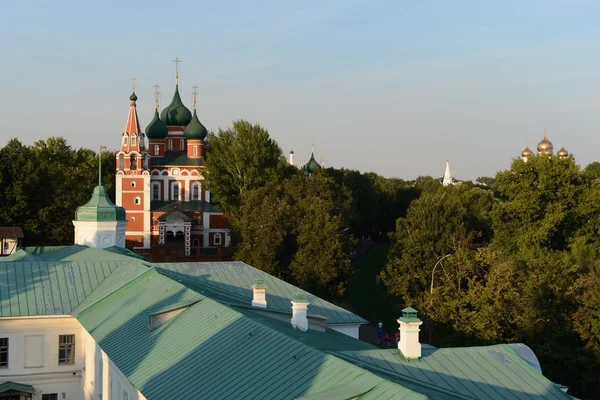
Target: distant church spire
point(133, 124)
point(447, 174)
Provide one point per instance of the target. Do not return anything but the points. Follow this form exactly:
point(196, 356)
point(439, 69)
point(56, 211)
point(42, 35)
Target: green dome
point(100, 208)
point(176, 114)
point(312, 165)
point(195, 130)
point(133, 97)
point(156, 129)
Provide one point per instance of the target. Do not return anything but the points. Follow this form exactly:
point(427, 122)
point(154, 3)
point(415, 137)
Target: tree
point(592, 170)
point(240, 159)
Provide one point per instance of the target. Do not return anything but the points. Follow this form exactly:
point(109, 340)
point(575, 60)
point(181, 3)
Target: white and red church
point(160, 185)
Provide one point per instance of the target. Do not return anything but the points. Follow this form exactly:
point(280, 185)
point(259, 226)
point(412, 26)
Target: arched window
point(156, 149)
point(133, 141)
point(175, 191)
point(145, 161)
point(196, 242)
point(137, 200)
point(124, 139)
point(133, 162)
point(181, 145)
point(217, 239)
point(170, 142)
point(195, 191)
point(195, 150)
point(121, 162)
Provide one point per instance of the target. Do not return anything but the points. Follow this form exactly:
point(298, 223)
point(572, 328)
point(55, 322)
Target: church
point(159, 183)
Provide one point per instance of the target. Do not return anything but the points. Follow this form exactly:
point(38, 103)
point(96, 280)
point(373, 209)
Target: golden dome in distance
point(527, 152)
point(545, 147)
point(563, 153)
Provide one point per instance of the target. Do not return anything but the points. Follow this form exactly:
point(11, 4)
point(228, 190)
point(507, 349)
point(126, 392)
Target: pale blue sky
point(393, 87)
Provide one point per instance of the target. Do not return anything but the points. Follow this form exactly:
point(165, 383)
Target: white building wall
point(33, 355)
point(8, 246)
point(33, 360)
point(100, 234)
point(347, 329)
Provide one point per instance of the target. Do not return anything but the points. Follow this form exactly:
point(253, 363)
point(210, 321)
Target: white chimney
point(409, 333)
point(259, 290)
point(299, 309)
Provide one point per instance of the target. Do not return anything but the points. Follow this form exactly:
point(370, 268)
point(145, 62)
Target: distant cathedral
point(160, 185)
point(544, 148)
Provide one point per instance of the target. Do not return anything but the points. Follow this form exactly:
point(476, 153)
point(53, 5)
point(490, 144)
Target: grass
point(367, 292)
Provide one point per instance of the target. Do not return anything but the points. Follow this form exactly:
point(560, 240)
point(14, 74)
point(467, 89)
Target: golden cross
point(156, 94)
point(313, 144)
point(133, 83)
point(545, 133)
point(177, 60)
point(195, 94)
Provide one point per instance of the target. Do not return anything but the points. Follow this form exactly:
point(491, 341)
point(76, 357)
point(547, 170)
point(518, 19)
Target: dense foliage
point(42, 185)
point(521, 265)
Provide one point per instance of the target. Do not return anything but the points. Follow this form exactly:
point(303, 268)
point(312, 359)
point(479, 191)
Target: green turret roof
point(312, 165)
point(156, 129)
point(176, 114)
point(100, 208)
point(195, 130)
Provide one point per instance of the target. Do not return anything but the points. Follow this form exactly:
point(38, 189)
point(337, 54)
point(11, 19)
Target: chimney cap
point(299, 298)
point(409, 314)
point(259, 283)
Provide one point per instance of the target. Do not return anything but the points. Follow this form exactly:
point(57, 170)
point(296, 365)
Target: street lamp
point(431, 292)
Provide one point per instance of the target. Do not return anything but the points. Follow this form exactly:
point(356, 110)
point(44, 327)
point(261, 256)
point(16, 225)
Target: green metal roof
point(16, 387)
point(184, 206)
point(19, 255)
point(490, 372)
point(235, 279)
point(211, 350)
point(49, 288)
point(176, 158)
point(100, 208)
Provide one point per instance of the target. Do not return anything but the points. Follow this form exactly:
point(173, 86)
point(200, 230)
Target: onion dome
point(545, 147)
point(312, 165)
point(156, 129)
point(563, 153)
point(195, 130)
point(527, 153)
point(100, 208)
point(176, 114)
point(133, 97)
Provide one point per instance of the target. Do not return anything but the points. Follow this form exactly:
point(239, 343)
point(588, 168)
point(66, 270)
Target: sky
point(393, 87)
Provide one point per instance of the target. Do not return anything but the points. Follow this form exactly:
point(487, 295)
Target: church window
point(66, 349)
point(124, 139)
point(181, 144)
point(132, 184)
point(133, 141)
point(145, 161)
point(121, 162)
point(155, 191)
point(132, 219)
point(196, 242)
point(176, 191)
point(3, 352)
point(137, 200)
point(170, 144)
point(195, 150)
point(195, 191)
point(156, 149)
point(217, 239)
point(133, 162)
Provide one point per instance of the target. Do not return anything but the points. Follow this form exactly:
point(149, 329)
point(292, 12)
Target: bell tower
point(133, 179)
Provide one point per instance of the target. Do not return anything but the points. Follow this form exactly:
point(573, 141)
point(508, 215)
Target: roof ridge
point(151, 272)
